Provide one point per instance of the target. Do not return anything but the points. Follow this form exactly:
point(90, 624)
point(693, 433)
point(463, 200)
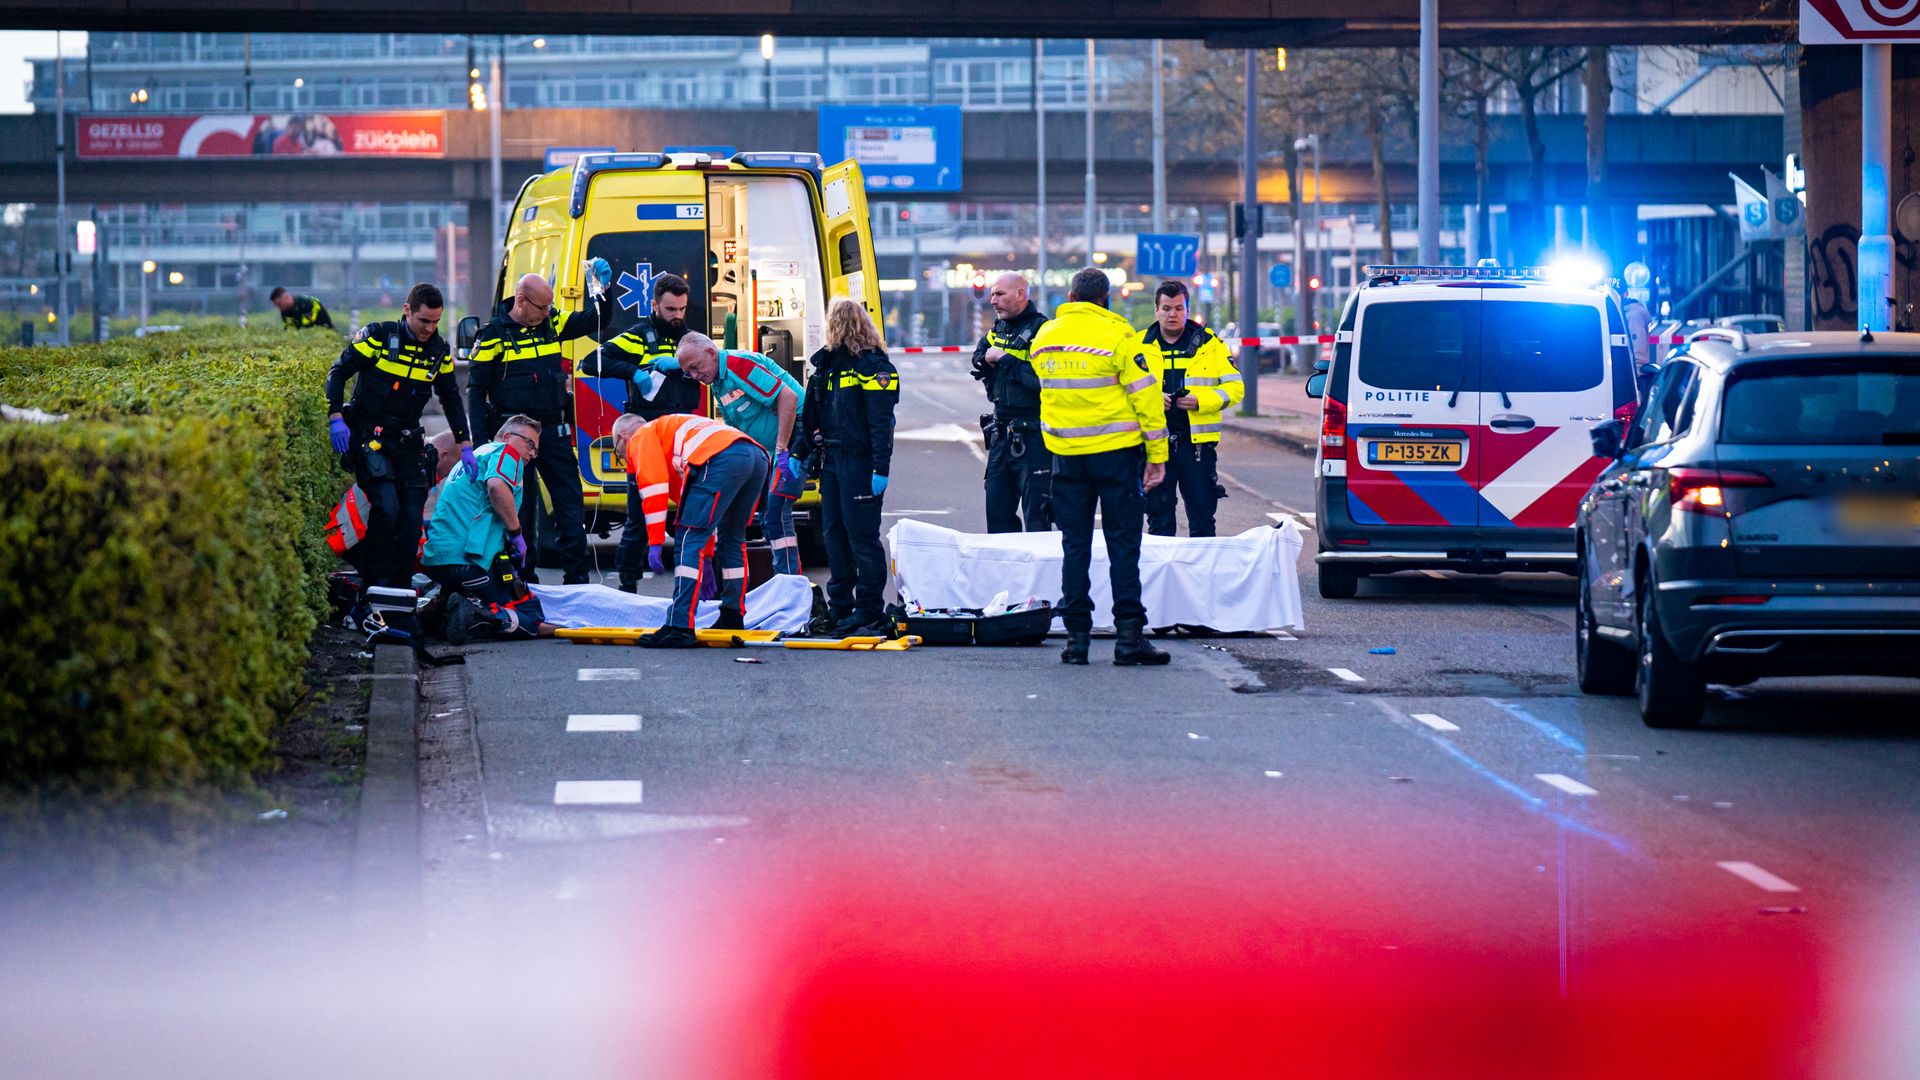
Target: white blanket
point(784, 603)
point(1233, 583)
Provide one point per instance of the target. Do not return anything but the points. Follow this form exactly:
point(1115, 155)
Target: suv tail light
point(1333, 427)
point(1704, 491)
point(1624, 414)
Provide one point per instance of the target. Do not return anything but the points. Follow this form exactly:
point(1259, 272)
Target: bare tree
point(1530, 71)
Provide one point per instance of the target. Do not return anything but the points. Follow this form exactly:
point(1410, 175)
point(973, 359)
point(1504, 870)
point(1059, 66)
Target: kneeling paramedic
point(1019, 468)
point(716, 475)
point(1197, 383)
point(518, 366)
point(1102, 414)
point(474, 546)
point(395, 366)
point(752, 393)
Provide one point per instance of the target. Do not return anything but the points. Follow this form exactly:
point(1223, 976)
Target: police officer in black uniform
point(646, 350)
point(395, 367)
point(517, 366)
point(1019, 467)
point(847, 420)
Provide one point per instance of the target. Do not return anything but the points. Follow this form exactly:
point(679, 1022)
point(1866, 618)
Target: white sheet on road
point(1234, 583)
point(784, 603)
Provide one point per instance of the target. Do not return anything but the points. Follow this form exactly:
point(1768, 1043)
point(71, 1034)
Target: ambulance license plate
point(1403, 452)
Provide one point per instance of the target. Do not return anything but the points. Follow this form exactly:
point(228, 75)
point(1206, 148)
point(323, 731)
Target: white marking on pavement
point(1752, 874)
point(1281, 635)
point(914, 513)
point(1436, 722)
point(1274, 774)
point(603, 722)
point(969, 437)
point(595, 792)
point(1565, 783)
point(1346, 674)
point(609, 674)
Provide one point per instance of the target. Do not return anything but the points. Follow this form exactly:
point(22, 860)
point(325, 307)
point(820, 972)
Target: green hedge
point(162, 562)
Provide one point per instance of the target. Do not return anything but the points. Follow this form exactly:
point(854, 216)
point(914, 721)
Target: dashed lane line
point(1754, 875)
point(596, 792)
point(609, 674)
point(1436, 722)
point(1565, 783)
point(1346, 674)
point(603, 722)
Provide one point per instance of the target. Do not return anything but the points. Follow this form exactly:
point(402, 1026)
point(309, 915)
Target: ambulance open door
point(850, 266)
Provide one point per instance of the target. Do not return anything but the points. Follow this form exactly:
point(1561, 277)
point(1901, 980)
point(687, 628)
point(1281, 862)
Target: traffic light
point(979, 286)
point(476, 90)
point(1313, 283)
point(1280, 60)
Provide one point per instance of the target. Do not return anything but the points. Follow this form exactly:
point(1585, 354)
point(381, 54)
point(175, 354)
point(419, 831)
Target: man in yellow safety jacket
point(1102, 415)
point(1197, 382)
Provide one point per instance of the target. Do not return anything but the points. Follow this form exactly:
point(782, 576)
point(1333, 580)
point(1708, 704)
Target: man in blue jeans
point(752, 393)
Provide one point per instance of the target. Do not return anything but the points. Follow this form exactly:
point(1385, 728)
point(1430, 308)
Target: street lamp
point(766, 55)
point(1312, 142)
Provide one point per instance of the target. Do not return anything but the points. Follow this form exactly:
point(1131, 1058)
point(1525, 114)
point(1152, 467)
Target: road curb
point(386, 848)
point(1295, 441)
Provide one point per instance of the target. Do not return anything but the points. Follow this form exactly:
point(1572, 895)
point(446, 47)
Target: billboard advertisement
point(899, 147)
point(282, 135)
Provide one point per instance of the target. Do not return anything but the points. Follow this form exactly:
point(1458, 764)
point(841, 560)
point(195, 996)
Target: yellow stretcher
point(729, 639)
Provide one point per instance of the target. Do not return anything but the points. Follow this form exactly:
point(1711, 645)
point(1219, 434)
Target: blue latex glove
point(657, 558)
point(879, 484)
point(602, 271)
point(518, 544)
point(466, 458)
point(340, 434)
point(666, 364)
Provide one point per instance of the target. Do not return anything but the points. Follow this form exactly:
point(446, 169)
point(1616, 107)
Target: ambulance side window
point(637, 257)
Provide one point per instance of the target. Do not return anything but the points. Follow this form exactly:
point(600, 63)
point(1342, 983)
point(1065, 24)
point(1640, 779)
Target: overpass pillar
point(1830, 132)
point(477, 292)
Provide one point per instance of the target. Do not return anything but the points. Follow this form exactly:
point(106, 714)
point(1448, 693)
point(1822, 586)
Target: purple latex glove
point(467, 459)
point(657, 558)
point(518, 545)
point(340, 434)
point(785, 462)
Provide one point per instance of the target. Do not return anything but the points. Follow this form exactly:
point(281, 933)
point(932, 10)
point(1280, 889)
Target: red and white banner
point(281, 135)
point(1851, 22)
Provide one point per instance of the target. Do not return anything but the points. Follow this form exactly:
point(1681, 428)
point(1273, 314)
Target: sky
point(19, 46)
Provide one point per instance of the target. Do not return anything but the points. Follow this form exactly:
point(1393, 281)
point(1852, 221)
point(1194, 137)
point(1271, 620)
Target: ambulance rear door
point(849, 238)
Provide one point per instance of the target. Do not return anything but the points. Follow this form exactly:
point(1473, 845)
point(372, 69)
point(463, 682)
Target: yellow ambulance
point(763, 239)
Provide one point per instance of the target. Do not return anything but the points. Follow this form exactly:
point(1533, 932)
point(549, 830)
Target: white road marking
point(603, 722)
point(1565, 783)
point(1346, 674)
point(609, 674)
point(1281, 635)
point(1752, 874)
point(595, 792)
point(915, 513)
point(1274, 774)
point(1436, 722)
point(949, 432)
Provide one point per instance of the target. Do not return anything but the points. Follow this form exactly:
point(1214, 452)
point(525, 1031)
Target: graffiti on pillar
point(1831, 259)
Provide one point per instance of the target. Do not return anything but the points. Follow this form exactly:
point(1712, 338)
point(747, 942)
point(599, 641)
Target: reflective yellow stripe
point(406, 371)
point(1139, 384)
point(1077, 384)
point(1202, 429)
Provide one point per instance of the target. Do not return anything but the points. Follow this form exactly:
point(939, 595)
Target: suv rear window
point(1527, 346)
point(1824, 402)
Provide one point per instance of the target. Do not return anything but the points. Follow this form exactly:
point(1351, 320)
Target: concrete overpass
point(1652, 160)
point(1224, 22)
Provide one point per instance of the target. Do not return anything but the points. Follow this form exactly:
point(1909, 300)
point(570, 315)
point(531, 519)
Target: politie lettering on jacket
point(1396, 395)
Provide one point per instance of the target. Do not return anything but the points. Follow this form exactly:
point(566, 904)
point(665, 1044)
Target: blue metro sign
point(634, 285)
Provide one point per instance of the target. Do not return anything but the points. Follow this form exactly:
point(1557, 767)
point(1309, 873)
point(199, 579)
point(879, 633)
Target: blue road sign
point(1280, 275)
point(899, 147)
point(561, 157)
point(1165, 254)
point(634, 285)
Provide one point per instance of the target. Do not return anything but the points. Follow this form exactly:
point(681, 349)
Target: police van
point(1455, 416)
point(764, 240)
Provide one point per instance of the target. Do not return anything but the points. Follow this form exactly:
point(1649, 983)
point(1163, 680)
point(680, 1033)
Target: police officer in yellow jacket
point(1197, 382)
point(1102, 416)
point(1019, 468)
point(643, 356)
point(518, 367)
point(396, 367)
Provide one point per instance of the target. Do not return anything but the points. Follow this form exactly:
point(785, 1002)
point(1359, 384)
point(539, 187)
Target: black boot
point(1133, 650)
point(1078, 642)
point(670, 637)
point(729, 620)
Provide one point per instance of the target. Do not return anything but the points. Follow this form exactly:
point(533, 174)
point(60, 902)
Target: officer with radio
point(519, 367)
point(395, 366)
point(1198, 382)
point(1019, 465)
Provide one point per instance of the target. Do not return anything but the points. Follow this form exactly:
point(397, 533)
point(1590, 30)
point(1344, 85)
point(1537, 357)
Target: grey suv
point(1760, 516)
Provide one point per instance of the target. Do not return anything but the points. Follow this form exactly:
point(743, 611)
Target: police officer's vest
point(1015, 338)
point(396, 390)
point(677, 393)
point(533, 372)
point(1197, 363)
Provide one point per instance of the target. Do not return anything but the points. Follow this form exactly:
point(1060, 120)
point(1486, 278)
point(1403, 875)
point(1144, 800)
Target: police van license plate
point(1405, 452)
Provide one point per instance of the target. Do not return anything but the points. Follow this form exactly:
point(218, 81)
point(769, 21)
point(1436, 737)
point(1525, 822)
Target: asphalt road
point(1456, 803)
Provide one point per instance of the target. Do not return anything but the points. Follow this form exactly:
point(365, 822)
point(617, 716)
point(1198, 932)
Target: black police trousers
point(396, 478)
point(850, 525)
point(559, 471)
point(1109, 480)
point(512, 611)
point(1192, 472)
point(1019, 481)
